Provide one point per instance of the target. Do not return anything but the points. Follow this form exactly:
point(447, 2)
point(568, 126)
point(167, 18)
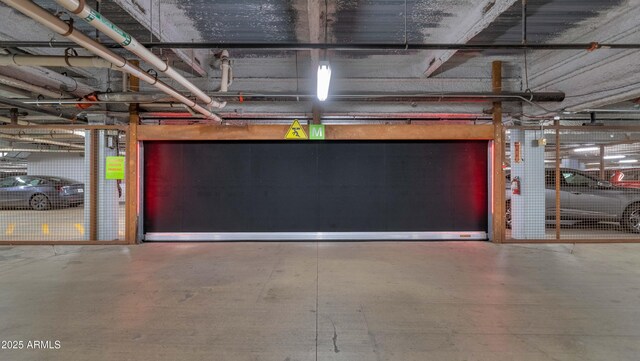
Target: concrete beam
point(169, 23)
point(479, 17)
point(597, 78)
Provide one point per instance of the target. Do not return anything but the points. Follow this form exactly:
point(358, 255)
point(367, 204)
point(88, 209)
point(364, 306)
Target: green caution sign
point(114, 168)
point(316, 132)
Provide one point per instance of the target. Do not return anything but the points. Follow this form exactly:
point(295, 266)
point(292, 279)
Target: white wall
point(66, 165)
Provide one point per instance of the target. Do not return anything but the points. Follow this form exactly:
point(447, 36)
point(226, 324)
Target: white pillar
point(528, 208)
point(108, 208)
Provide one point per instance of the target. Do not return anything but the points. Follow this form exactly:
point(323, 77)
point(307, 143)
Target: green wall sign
point(316, 132)
point(115, 168)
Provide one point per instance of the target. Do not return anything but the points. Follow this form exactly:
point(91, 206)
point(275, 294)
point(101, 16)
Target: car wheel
point(39, 202)
point(507, 215)
point(631, 218)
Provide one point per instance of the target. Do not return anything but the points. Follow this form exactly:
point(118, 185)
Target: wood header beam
point(333, 132)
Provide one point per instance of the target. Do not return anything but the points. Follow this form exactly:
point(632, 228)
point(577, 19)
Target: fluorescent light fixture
point(614, 156)
point(324, 77)
point(549, 161)
point(598, 163)
point(628, 161)
point(587, 149)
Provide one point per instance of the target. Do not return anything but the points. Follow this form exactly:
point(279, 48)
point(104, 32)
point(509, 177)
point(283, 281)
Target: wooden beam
point(498, 190)
point(131, 211)
point(333, 132)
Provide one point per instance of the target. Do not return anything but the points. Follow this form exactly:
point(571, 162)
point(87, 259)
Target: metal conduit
point(47, 19)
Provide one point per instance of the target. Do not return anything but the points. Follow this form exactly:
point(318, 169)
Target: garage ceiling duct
point(95, 19)
point(52, 22)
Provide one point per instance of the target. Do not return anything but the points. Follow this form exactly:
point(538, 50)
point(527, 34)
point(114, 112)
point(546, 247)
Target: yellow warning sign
point(295, 131)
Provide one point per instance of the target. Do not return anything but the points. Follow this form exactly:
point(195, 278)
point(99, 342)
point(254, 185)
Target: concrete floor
point(52, 225)
point(332, 301)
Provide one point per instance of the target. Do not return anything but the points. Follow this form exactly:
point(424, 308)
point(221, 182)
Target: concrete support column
point(107, 190)
point(528, 208)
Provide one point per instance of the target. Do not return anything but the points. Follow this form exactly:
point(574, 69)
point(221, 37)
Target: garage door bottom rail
point(313, 236)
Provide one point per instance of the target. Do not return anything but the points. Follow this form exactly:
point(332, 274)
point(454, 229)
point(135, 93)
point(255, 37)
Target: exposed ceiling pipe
point(97, 20)
point(416, 97)
point(133, 97)
point(8, 121)
point(15, 91)
point(49, 20)
point(340, 47)
point(20, 84)
point(40, 150)
point(58, 114)
point(60, 61)
point(22, 138)
point(226, 69)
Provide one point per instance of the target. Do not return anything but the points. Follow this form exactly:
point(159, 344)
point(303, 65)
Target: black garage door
point(247, 190)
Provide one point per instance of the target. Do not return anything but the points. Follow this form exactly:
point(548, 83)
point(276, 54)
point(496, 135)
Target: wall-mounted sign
point(316, 132)
point(296, 131)
point(114, 168)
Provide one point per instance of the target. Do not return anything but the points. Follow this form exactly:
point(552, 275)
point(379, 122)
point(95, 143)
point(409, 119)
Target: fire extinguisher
point(515, 186)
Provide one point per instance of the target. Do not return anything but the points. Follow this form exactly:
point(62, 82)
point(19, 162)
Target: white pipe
point(94, 18)
point(61, 61)
point(41, 150)
point(224, 84)
point(47, 19)
point(38, 140)
point(20, 84)
point(8, 121)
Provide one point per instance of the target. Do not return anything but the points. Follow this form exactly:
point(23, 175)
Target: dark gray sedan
point(39, 192)
point(587, 199)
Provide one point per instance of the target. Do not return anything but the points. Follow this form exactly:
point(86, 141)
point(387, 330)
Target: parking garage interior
point(319, 180)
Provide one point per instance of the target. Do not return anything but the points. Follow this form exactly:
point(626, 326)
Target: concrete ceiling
point(602, 78)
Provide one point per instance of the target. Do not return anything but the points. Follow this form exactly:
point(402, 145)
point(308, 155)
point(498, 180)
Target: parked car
point(628, 178)
point(587, 199)
point(40, 192)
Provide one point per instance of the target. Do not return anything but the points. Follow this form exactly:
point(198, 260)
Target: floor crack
point(335, 337)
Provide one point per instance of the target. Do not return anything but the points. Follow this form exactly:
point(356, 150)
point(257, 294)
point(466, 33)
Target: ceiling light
point(588, 149)
point(628, 161)
point(614, 156)
point(324, 77)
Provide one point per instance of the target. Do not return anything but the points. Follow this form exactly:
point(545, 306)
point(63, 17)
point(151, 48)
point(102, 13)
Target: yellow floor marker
point(80, 228)
point(10, 228)
point(45, 229)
